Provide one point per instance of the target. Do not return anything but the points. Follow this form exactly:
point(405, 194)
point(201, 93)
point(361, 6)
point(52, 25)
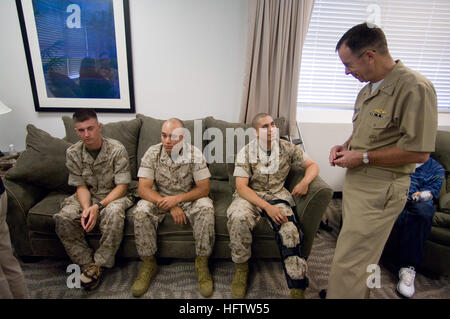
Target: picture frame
point(78, 54)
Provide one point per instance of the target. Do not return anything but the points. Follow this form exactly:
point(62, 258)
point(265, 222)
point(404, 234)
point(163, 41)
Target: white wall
point(322, 129)
point(188, 61)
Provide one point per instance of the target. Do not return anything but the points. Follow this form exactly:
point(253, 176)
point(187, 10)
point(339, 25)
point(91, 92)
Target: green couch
point(437, 247)
point(38, 184)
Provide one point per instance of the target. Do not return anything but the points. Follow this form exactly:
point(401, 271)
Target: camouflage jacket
point(110, 168)
point(267, 173)
point(172, 177)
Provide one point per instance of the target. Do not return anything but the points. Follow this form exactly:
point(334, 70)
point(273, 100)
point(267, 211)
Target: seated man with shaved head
point(173, 178)
point(261, 169)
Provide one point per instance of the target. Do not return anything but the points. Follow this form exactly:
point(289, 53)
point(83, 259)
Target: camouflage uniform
point(172, 178)
point(267, 175)
point(100, 176)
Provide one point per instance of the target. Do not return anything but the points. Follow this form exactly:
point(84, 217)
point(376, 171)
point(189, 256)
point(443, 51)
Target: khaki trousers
point(12, 281)
point(372, 200)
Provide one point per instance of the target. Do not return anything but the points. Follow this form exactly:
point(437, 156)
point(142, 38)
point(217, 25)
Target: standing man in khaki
point(394, 127)
point(261, 169)
point(99, 169)
point(173, 178)
point(12, 280)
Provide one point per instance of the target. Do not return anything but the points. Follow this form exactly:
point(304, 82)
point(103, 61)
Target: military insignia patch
point(378, 113)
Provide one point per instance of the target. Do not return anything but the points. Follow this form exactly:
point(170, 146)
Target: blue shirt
point(428, 177)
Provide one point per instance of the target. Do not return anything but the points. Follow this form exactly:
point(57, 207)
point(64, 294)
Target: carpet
point(176, 279)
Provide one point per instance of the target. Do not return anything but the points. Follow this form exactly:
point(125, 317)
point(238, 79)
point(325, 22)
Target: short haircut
point(82, 115)
point(256, 119)
point(174, 119)
point(363, 37)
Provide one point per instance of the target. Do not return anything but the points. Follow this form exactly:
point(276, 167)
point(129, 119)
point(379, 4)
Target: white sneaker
point(405, 285)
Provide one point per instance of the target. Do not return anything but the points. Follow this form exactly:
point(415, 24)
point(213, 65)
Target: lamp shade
point(3, 108)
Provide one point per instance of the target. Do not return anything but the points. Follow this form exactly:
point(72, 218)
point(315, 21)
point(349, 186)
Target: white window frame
point(424, 46)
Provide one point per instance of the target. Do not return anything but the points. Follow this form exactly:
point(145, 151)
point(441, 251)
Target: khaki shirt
point(402, 112)
point(173, 177)
point(267, 174)
point(102, 175)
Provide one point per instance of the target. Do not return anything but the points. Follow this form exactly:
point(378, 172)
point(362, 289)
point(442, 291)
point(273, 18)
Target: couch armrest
point(441, 220)
point(311, 207)
point(21, 197)
point(444, 203)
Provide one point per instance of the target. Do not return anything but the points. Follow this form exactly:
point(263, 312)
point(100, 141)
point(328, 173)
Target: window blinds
point(417, 32)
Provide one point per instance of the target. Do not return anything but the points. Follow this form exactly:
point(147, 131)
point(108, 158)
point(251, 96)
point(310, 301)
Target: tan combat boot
point(239, 284)
point(146, 273)
point(297, 293)
point(204, 277)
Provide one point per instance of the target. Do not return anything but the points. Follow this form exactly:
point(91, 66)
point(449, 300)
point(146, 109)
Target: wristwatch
point(100, 206)
point(365, 158)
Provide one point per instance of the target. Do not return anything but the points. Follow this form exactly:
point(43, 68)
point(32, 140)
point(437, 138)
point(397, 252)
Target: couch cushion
point(440, 235)
point(441, 220)
point(150, 133)
point(43, 163)
point(231, 177)
point(447, 181)
point(442, 153)
point(442, 149)
point(218, 167)
point(40, 220)
point(126, 132)
point(221, 196)
point(444, 203)
point(40, 216)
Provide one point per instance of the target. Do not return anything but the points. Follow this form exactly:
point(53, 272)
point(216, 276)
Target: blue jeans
point(413, 226)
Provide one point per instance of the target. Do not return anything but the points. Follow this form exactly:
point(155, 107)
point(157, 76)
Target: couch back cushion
point(150, 133)
point(126, 132)
point(216, 132)
point(43, 163)
point(442, 153)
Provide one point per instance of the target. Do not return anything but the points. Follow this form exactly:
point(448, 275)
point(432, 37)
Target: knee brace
point(288, 251)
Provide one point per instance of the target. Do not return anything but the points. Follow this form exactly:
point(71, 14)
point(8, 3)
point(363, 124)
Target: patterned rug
point(177, 280)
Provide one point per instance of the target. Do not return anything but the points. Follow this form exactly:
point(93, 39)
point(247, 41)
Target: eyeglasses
point(349, 65)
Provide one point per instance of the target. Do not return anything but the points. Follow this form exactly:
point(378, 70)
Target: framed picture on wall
point(78, 54)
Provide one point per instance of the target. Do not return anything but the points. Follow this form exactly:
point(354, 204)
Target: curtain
point(277, 30)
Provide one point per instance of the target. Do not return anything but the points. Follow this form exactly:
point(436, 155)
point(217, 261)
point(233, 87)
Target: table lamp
point(3, 110)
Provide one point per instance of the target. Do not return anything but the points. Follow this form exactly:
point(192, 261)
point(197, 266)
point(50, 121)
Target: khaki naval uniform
point(401, 112)
point(266, 175)
point(173, 177)
point(100, 176)
point(12, 280)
